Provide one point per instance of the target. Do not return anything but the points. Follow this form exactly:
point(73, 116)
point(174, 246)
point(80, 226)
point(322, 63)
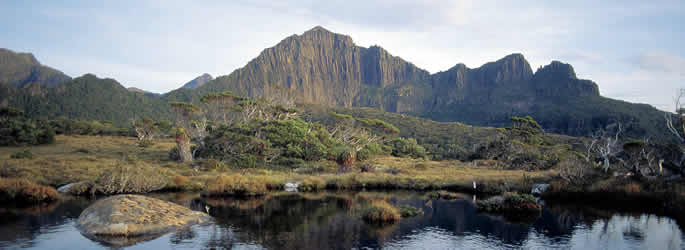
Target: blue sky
point(632, 49)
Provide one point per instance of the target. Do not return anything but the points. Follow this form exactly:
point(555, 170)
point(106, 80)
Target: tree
point(146, 129)
point(185, 112)
point(221, 106)
point(608, 145)
point(675, 123)
point(356, 134)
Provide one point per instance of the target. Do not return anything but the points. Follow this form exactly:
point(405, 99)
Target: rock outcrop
point(115, 219)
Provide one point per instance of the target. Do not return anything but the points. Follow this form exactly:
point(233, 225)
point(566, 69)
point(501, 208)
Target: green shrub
point(407, 148)
point(409, 211)
point(146, 143)
point(25, 154)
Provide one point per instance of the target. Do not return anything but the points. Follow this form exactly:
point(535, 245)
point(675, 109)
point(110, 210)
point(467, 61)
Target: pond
point(332, 221)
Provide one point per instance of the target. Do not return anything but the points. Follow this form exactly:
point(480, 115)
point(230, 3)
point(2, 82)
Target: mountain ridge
point(326, 68)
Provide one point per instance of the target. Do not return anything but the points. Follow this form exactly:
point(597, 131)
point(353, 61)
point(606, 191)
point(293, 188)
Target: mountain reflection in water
point(332, 221)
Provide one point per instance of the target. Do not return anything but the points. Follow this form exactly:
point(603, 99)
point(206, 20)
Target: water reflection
point(332, 221)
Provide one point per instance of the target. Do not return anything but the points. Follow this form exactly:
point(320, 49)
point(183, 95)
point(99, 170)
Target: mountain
point(87, 97)
point(198, 81)
point(322, 67)
point(21, 69)
point(325, 68)
point(319, 66)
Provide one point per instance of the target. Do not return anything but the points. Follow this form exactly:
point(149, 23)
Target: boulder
point(291, 187)
point(538, 189)
point(134, 216)
point(75, 188)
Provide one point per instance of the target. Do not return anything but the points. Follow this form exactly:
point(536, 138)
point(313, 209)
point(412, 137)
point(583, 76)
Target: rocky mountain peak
point(198, 81)
point(558, 69)
point(511, 68)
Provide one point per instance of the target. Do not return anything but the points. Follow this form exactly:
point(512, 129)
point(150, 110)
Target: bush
point(380, 211)
point(25, 154)
point(235, 185)
point(511, 204)
point(173, 154)
point(24, 191)
point(146, 143)
point(407, 148)
point(138, 178)
point(409, 211)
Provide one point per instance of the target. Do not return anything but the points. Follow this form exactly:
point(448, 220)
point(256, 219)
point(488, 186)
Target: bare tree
point(146, 128)
point(356, 134)
point(675, 123)
point(608, 145)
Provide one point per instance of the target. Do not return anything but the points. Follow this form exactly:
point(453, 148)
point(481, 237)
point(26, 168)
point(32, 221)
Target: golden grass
point(85, 158)
point(22, 190)
point(236, 185)
point(380, 211)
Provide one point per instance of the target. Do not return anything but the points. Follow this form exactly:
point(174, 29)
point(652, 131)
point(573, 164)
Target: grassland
point(86, 158)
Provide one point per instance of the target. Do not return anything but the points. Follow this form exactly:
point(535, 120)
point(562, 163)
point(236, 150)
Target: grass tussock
point(236, 185)
point(511, 204)
point(312, 183)
point(380, 211)
point(24, 191)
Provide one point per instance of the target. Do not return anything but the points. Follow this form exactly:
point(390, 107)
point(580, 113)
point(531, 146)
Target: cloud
point(663, 62)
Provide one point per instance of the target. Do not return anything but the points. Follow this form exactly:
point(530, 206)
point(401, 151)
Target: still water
point(332, 221)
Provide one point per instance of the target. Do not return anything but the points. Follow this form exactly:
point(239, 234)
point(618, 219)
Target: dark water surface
point(332, 221)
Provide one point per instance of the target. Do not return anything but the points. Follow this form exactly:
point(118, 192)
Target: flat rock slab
point(135, 216)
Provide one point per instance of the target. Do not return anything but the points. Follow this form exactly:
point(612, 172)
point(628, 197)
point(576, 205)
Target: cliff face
point(23, 69)
point(320, 67)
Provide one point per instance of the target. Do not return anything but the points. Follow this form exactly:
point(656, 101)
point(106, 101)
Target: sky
point(634, 50)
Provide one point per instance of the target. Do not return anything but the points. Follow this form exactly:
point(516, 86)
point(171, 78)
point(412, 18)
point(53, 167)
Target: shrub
point(409, 211)
point(407, 148)
point(24, 191)
point(511, 204)
point(146, 143)
point(235, 185)
point(173, 154)
point(380, 211)
point(134, 178)
point(25, 154)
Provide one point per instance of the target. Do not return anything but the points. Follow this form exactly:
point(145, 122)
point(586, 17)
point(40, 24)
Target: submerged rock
point(124, 219)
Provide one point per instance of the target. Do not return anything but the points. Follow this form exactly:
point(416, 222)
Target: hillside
point(21, 69)
point(86, 97)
